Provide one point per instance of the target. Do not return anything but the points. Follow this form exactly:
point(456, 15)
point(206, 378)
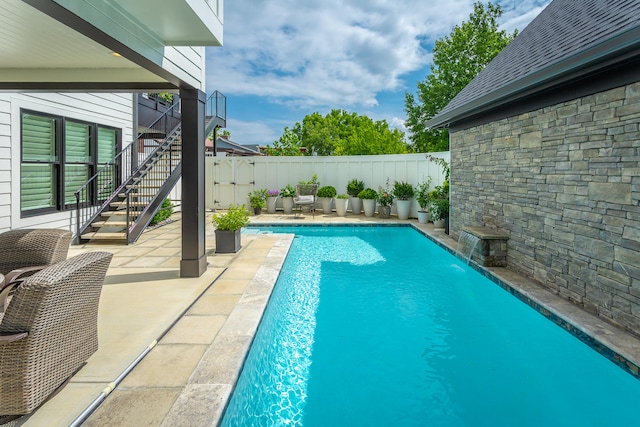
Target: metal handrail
point(99, 190)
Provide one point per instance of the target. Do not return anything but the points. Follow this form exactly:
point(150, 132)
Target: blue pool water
point(378, 326)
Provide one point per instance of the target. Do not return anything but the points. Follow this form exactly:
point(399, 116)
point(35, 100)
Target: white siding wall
point(110, 109)
point(230, 179)
point(187, 63)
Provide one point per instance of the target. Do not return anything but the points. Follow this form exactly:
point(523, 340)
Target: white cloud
point(334, 54)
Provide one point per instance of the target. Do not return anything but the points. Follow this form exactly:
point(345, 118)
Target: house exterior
point(70, 72)
point(545, 146)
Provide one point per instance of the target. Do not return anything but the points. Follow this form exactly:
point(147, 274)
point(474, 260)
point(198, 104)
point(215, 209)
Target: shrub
point(354, 187)
point(327, 191)
point(287, 191)
point(258, 198)
point(402, 190)
point(368, 193)
point(422, 194)
point(234, 219)
point(342, 196)
point(164, 212)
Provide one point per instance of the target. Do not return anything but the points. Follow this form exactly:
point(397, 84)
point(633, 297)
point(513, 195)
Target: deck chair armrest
point(8, 338)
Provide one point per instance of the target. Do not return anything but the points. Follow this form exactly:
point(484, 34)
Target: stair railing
point(103, 187)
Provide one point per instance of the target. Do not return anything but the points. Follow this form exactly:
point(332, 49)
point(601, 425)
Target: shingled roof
point(568, 39)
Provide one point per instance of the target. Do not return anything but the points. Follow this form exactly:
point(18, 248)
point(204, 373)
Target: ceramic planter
point(287, 204)
point(369, 206)
point(423, 217)
point(341, 207)
point(271, 204)
point(384, 211)
point(326, 204)
point(227, 241)
point(403, 207)
point(356, 205)
point(438, 223)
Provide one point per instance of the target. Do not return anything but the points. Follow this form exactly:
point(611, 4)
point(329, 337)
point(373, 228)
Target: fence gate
point(232, 179)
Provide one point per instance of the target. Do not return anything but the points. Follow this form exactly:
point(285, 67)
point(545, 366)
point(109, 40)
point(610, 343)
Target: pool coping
point(613, 343)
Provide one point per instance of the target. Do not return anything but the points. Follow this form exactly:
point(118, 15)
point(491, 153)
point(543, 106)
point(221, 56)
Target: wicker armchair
point(23, 252)
point(49, 330)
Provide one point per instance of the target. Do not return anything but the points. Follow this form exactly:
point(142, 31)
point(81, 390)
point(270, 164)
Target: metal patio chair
point(49, 330)
point(305, 196)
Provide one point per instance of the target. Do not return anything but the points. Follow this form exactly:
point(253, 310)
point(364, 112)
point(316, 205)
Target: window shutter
point(106, 145)
point(77, 158)
point(37, 178)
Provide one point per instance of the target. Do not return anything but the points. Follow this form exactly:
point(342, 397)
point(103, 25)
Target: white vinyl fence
point(230, 179)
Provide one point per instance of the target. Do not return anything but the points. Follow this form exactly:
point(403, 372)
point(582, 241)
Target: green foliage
point(385, 197)
point(354, 187)
point(341, 133)
point(442, 163)
point(289, 144)
point(402, 190)
point(165, 211)
point(234, 219)
point(457, 59)
point(258, 198)
point(327, 191)
point(167, 96)
point(287, 191)
point(342, 196)
point(368, 193)
point(422, 194)
point(313, 180)
point(439, 209)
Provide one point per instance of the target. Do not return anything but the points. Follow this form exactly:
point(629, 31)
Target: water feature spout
point(467, 243)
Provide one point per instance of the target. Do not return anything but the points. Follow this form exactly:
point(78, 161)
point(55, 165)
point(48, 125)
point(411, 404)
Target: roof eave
point(610, 52)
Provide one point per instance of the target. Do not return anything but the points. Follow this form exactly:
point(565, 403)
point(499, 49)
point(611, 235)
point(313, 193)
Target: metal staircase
point(119, 201)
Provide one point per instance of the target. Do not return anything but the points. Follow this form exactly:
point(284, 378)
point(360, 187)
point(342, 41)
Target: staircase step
point(110, 214)
point(105, 236)
point(124, 204)
point(100, 224)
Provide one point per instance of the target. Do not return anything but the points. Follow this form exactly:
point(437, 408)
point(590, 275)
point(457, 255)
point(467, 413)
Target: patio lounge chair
point(25, 251)
point(306, 196)
point(49, 330)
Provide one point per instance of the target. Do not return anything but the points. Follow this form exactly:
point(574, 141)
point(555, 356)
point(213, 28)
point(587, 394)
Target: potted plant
point(326, 195)
point(342, 201)
point(228, 226)
point(440, 206)
point(423, 199)
point(258, 200)
point(287, 193)
point(368, 197)
point(272, 198)
point(403, 191)
point(385, 200)
point(354, 187)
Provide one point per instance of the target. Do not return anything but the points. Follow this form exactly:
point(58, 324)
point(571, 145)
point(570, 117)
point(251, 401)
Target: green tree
point(457, 59)
point(341, 133)
point(289, 144)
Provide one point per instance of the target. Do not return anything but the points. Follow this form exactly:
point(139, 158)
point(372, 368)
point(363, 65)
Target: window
point(58, 156)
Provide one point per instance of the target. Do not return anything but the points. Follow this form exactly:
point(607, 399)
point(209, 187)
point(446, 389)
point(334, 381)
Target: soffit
point(37, 48)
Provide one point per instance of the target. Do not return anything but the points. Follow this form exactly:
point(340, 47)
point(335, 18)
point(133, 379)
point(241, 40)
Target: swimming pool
point(378, 326)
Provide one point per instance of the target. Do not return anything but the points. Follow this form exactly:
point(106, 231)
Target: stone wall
point(564, 183)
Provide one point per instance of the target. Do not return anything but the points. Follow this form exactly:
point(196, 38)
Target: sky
point(284, 59)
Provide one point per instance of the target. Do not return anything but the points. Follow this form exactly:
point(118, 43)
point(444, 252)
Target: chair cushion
point(304, 199)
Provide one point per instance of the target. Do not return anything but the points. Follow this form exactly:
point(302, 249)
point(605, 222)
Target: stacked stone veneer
point(564, 183)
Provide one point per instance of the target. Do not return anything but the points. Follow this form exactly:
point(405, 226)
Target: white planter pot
point(326, 204)
point(369, 206)
point(356, 205)
point(423, 217)
point(439, 223)
point(271, 204)
point(403, 207)
point(341, 207)
point(287, 204)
